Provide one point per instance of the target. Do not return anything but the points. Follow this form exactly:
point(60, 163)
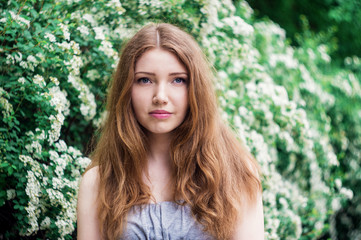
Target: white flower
point(89, 18)
point(18, 56)
point(25, 159)
point(32, 188)
point(10, 194)
point(56, 124)
point(59, 171)
point(338, 183)
point(50, 36)
point(239, 26)
point(114, 3)
point(322, 49)
point(61, 146)
point(58, 99)
point(74, 65)
point(64, 45)
point(65, 226)
point(20, 20)
point(75, 47)
point(88, 105)
point(45, 224)
point(65, 30)
point(107, 48)
point(10, 60)
point(83, 162)
point(93, 74)
point(53, 155)
point(58, 183)
point(98, 122)
point(336, 205)
point(21, 80)
point(74, 152)
point(54, 80)
point(24, 65)
point(55, 196)
point(84, 30)
point(99, 33)
point(39, 80)
point(8, 108)
point(31, 59)
point(33, 214)
point(347, 192)
point(35, 147)
point(61, 161)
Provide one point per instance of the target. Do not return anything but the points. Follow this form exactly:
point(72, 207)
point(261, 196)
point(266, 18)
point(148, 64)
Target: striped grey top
point(164, 220)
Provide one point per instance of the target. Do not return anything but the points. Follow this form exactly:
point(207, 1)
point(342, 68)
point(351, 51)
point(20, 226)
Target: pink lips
point(160, 114)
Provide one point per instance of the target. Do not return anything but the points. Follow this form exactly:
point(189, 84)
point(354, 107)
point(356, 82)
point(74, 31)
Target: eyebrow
point(153, 74)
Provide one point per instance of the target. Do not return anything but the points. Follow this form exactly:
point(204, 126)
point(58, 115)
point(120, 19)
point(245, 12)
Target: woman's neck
point(159, 148)
point(159, 170)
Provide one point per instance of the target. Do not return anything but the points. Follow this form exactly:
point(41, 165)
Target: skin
point(160, 83)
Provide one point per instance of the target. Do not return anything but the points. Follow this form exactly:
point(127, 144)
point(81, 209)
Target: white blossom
point(39, 80)
point(6, 106)
point(19, 19)
point(10, 60)
point(89, 18)
point(65, 30)
point(54, 80)
point(21, 80)
point(61, 146)
point(45, 224)
point(83, 162)
point(50, 36)
point(84, 30)
point(347, 192)
point(93, 74)
point(11, 194)
point(99, 33)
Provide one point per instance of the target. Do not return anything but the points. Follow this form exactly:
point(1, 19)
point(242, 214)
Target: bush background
point(297, 107)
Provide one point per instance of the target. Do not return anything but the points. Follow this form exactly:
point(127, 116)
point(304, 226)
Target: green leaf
point(27, 35)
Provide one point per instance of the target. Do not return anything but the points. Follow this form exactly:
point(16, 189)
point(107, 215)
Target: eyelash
point(182, 80)
point(143, 79)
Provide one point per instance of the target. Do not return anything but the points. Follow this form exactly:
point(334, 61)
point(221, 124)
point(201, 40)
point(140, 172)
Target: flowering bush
point(57, 58)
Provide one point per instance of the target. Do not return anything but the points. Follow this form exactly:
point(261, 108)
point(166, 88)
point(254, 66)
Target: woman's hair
point(213, 172)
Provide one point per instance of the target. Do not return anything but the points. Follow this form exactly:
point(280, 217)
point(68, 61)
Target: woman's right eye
point(143, 80)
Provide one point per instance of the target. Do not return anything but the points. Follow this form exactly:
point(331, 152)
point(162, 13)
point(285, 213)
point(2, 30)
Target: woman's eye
point(179, 80)
point(143, 80)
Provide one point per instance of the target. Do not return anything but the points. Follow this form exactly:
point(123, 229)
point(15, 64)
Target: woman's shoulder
point(91, 174)
point(88, 227)
point(89, 181)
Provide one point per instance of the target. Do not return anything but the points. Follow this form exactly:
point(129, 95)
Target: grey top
point(164, 220)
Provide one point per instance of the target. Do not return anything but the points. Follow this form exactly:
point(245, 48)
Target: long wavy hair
point(212, 171)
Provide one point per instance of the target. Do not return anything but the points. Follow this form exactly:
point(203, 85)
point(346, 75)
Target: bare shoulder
point(90, 178)
point(88, 227)
point(251, 222)
point(88, 190)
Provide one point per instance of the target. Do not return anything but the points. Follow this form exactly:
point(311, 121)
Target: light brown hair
point(213, 172)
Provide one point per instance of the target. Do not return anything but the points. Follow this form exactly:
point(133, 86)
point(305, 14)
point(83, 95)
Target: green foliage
point(339, 16)
point(288, 105)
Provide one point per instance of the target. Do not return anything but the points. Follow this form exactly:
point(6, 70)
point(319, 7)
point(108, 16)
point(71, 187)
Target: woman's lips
point(160, 114)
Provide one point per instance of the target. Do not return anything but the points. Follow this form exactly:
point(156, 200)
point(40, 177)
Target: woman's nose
point(160, 94)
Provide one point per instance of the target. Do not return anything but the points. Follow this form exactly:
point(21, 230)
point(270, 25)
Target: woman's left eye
point(179, 80)
point(143, 80)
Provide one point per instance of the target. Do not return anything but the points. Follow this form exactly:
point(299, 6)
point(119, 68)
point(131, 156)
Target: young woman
point(165, 166)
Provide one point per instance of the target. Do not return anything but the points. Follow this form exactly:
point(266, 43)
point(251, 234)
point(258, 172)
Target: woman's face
point(159, 91)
